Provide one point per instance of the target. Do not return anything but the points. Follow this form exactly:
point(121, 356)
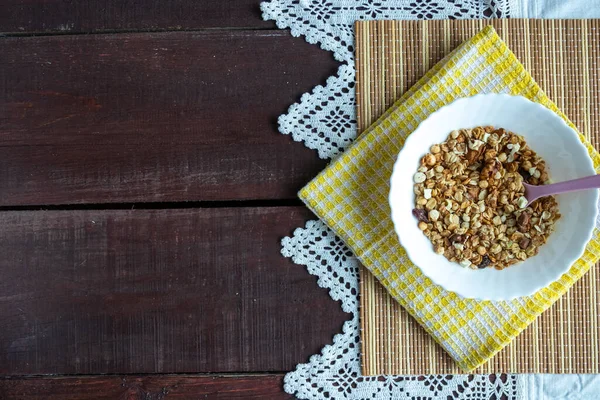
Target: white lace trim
point(325, 120)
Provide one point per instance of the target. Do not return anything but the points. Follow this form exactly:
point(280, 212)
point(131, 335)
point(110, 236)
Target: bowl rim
point(589, 228)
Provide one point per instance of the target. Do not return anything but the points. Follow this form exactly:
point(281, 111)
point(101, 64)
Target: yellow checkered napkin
point(351, 197)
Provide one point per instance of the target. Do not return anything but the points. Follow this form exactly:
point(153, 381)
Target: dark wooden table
point(144, 190)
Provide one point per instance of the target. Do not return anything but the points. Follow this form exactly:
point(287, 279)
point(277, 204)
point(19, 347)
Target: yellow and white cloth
point(350, 196)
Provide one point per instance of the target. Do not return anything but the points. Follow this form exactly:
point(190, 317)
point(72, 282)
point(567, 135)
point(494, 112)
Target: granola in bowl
point(470, 203)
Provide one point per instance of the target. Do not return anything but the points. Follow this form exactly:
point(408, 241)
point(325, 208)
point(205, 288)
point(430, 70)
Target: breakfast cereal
point(470, 201)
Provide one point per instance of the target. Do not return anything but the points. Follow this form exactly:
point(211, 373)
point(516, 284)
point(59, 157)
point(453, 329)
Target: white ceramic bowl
point(566, 158)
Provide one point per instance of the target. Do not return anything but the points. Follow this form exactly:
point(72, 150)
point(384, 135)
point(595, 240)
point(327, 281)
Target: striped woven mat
point(564, 58)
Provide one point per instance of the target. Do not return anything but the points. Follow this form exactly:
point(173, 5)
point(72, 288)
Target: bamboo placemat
point(564, 58)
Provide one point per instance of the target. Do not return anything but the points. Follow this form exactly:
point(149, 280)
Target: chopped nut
point(427, 193)
point(458, 246)
point(419, 177)
point(522, 202)
point(434, 215)
point(531, 171)
point(423, 226)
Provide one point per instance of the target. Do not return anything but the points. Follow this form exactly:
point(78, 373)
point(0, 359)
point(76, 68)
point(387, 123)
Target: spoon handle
point(589, 182)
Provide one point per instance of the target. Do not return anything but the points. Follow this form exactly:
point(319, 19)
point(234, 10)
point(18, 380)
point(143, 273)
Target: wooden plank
point(146, 387)
point(57, 16)
point(157, 291)
point(153, 117)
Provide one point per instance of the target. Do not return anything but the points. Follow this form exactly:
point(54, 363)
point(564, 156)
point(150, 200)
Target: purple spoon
point(533, 192)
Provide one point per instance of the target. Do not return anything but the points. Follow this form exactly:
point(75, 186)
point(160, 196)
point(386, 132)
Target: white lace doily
point(325, 121)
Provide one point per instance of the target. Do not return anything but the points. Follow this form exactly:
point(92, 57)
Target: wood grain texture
point(153, 117)
point(147, 387)
point(60, 16)
point(563, 56)
point(157, 291)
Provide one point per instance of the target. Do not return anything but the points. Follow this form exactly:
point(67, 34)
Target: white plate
point(566, 157)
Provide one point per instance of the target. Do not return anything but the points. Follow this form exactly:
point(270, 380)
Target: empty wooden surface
point(60, 16)
point(179, 116)
point(144, 191)
point(146, 291)
point(148, 387)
